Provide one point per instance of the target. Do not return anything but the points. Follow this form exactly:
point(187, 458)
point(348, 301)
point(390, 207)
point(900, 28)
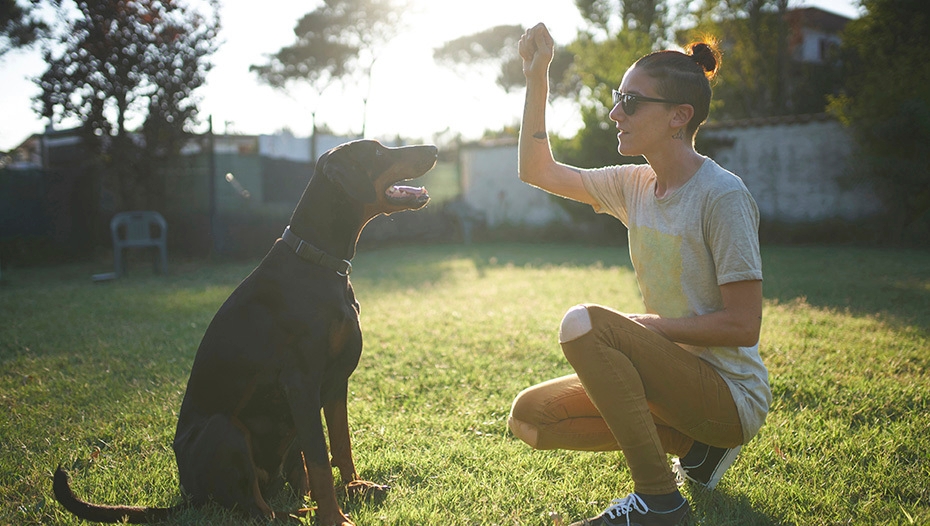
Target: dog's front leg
point(304, 403)
point(340, 443)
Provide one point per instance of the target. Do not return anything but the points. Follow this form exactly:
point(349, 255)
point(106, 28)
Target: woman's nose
point(616, 114)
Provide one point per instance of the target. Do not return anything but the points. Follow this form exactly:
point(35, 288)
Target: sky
point(411, 96)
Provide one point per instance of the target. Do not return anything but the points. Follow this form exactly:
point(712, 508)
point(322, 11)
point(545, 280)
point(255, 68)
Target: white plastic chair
point(139, 229)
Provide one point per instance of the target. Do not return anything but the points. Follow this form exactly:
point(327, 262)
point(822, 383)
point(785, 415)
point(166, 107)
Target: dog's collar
point(314, 255)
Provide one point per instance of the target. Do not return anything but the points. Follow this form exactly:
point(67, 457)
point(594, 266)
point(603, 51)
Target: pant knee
point(575, 324)
point(520, 414)
point(524, 431)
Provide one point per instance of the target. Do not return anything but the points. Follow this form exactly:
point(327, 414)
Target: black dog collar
point(314, 255)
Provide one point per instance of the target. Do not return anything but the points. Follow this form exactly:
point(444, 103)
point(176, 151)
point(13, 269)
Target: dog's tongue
point(400, 192)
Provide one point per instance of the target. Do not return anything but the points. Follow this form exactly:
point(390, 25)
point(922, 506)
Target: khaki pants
point(634, 391)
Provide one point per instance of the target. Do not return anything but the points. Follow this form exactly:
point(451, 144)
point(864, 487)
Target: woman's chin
point(626, 151)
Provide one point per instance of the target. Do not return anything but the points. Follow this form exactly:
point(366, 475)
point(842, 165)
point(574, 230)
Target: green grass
point(92, 375)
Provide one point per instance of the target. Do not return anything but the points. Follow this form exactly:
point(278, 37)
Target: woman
point(686, 377)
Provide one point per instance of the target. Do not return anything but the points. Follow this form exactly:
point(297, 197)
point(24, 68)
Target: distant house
point(771, 78)
point(814, 34)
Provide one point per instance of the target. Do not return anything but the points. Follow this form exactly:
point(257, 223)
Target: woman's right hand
point(537, 49)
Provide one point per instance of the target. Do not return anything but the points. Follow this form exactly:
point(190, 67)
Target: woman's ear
point(682, 115)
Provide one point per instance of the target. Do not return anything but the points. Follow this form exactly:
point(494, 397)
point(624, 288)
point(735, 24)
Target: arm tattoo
point(541, 135)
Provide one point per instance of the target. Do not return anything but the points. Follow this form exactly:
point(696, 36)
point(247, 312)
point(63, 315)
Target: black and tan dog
point(280, 349)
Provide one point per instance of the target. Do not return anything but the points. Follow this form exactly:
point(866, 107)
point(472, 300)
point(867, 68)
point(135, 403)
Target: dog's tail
point(103, 513)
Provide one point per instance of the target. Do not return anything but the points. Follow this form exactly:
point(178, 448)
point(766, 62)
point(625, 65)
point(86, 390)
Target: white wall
point(795, 168)
point(490, 184)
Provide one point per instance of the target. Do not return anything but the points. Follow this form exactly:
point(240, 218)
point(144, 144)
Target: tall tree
point(755, 35)
point(496, 50)
point(19, 25)
point(609, 18)
point(887, 103)
point(600, 66)
point(120, 59)
point(617, 33)
point(339, 40)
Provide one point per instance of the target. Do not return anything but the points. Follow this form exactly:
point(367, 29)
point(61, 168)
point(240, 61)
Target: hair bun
point(706, 56)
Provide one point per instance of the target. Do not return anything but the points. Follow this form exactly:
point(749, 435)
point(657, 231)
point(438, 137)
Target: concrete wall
point(797, 168)
point(490, 184)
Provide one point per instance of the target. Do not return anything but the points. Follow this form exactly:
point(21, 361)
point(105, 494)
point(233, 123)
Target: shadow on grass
point(719, 507)
point(403, 267)
point(893, 283)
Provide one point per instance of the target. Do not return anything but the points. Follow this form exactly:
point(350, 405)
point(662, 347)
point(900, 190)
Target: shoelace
point(622, 507)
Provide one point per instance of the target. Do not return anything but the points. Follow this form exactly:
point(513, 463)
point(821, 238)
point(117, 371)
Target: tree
point(339, 40)
point(600, 66)
point(125, 58)
point(496, 49)
point(618, 33)
point(887, 103)
point(609, 18)
point(19, 26)
point(754, 35)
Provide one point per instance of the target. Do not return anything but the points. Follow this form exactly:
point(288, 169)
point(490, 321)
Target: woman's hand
point(652, 322)
point(537, 49)
point(737, 324)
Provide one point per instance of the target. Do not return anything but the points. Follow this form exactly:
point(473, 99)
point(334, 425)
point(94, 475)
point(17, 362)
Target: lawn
point(92, 375)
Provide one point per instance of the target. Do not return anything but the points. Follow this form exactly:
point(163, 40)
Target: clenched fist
point(536, 49)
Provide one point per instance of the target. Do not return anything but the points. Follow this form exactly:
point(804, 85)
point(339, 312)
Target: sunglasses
point(629, 101)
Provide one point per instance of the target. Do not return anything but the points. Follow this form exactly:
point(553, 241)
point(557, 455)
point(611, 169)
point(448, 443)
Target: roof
point(756, 122)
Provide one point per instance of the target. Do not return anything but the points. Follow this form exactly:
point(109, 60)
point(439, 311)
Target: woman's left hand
point(653, 322)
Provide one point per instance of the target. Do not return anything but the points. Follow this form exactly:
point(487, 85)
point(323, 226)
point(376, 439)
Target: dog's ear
point(351, 178)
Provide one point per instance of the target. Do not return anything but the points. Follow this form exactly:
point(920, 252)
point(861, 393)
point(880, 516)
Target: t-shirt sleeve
point(610, 187)
point(732, 231)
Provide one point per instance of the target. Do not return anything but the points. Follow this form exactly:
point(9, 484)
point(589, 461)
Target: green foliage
point(496, 46)
point(124, 57)
point(93, 374)
point(758, 77)
point(607, 18)
point(115, 60)
point(19, 27)
point(496, 50)
point(595, 145)
point(338, 40)
point(599, 68)
point(887, 102)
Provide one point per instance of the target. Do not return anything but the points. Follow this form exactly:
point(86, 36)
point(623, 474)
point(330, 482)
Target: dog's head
point(371, 174)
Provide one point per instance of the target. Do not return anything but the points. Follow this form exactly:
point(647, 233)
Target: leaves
point(144, 57)
point(338, 40)
point(19, 26)
point(887, 102)
point(122, 61)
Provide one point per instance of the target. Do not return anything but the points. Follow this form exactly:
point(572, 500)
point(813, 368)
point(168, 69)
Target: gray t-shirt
point(683, 247)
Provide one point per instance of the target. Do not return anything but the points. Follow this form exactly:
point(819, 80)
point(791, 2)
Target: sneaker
point(705, 464)
point(632, 511)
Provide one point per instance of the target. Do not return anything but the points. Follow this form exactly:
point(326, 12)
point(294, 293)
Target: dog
point(280, 350)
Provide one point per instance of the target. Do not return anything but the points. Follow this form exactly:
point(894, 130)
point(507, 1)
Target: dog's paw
point(365, 489)
point(339, 521)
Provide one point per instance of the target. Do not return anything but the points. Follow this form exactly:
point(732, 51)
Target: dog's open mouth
point(407, 195)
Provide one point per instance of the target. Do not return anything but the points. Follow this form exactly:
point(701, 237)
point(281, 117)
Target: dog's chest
point(344, 336)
